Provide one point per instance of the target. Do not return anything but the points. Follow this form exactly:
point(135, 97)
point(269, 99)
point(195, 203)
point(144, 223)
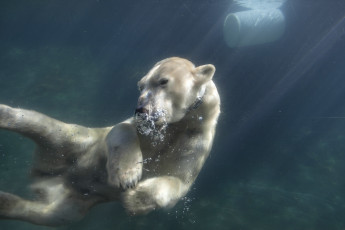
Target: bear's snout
point(143, 101)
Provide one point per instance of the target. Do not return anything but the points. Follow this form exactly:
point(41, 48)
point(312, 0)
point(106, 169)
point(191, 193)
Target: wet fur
point(76, 167)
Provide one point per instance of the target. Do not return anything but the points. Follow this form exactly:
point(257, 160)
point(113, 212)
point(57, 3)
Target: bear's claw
point(130, 178)
point(126, 178)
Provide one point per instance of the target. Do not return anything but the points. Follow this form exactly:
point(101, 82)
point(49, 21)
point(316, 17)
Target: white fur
point(76, 167)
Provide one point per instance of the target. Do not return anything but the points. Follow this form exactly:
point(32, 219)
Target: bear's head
point(172, 88)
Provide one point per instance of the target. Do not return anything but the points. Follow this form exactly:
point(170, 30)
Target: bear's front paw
point(125, 160)
point(126, 177)
point(137, 201)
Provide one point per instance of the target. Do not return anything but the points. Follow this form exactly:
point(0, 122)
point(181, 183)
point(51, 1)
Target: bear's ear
point(204, 73)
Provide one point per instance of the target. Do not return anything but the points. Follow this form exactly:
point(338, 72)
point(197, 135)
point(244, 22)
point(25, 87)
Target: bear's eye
point(163, 81)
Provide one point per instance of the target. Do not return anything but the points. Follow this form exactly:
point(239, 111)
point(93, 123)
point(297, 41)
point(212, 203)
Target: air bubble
point(146, 125)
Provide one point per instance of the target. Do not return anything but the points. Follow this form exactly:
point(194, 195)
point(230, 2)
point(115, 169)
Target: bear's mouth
point(141, 110)
point(152, 124)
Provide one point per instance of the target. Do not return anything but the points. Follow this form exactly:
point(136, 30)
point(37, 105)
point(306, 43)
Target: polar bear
point(146, 162)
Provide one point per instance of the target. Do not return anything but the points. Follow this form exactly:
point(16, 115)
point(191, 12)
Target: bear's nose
point(141, 107)
point(140, 110)
point(143, 101)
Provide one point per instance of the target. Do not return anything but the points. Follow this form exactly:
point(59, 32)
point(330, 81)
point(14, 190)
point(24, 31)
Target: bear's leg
point(44, 130)
point(57, 206)
point(125, 160)
point(14, 207)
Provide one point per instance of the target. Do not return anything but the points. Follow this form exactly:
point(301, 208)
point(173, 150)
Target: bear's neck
point(205, 110)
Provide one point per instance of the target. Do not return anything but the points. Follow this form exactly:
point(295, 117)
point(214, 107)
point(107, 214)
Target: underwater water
point(278, 159)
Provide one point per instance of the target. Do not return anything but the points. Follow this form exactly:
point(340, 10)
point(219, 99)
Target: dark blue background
point(280, 141)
